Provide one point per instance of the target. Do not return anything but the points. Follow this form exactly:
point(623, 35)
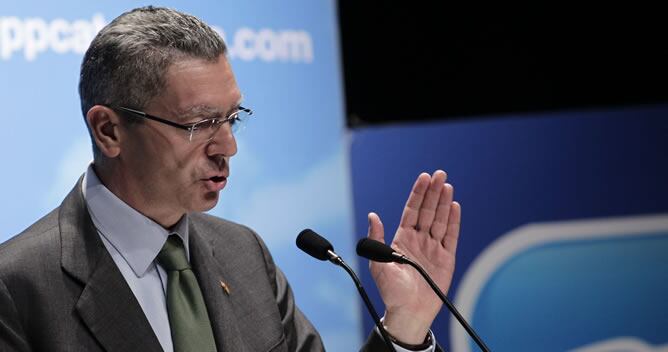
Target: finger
point(440, 225)
point(376, 230)
point(452, 234)
point(409, 217)
point(427, 210)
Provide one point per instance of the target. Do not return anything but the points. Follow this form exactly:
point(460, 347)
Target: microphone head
point(376, 251)
point(314, 244)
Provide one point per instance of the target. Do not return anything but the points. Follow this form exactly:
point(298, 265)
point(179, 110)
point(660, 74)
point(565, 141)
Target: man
point(129, 262)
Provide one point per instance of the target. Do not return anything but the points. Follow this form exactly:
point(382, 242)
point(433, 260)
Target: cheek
point(186, 162)
point(140, 156)
point(170, 161)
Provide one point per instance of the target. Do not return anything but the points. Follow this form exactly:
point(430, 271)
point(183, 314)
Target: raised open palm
point(428, 234)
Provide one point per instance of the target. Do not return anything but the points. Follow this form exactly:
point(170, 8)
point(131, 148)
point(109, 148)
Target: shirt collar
point(136, 237)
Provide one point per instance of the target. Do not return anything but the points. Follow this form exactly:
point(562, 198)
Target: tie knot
point(172, 256)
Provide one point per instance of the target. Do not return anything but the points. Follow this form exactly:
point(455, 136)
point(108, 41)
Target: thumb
point(376, 230)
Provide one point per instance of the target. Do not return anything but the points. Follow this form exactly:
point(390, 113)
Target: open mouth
point(217, 179)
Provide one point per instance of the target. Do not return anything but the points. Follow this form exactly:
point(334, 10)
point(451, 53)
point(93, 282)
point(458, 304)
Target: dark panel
point(408, 60)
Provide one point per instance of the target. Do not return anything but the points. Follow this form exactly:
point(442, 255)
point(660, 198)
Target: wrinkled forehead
point(201, 87)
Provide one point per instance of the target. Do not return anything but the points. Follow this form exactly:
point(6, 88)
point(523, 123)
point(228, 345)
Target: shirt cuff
point(398, 348)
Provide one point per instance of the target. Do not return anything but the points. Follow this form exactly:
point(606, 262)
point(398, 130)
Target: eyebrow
point(205, 111)
point(199, 111)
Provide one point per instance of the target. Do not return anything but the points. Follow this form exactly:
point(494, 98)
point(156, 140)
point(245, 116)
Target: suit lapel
point(219, 306)
point(107, 305)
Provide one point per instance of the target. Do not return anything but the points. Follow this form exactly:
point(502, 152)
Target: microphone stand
point(445, 300)
point(334, 258)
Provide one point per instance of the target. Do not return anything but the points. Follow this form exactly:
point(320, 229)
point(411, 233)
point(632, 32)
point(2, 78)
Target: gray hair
point(127, 61)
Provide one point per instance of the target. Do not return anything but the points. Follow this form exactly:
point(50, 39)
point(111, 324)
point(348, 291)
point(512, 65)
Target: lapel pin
point(225, 287)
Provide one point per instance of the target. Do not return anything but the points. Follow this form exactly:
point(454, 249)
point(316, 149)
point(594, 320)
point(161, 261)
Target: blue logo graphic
point(581, 286)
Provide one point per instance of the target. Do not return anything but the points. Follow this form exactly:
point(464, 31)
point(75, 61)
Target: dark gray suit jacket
point(60, 290)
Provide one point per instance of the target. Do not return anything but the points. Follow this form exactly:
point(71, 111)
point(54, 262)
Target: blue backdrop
point(565, 223)
point(564, 214)
point(291, 168)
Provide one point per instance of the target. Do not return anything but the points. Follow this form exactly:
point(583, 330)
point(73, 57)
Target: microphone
point(380, 252)
point(319, 248)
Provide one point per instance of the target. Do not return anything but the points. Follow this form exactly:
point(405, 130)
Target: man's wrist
point(413, 347)
point(407, 328)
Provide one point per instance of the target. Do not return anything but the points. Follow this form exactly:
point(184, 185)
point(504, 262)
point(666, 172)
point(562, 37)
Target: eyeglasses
point(204, 130)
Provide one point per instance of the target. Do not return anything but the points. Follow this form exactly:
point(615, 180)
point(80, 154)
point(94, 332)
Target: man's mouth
point(215, 183)
point(217, 179)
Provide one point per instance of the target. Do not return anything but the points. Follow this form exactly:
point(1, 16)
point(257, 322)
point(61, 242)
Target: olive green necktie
point(188, 319)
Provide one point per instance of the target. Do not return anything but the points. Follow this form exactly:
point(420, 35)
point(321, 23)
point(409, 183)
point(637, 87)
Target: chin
point(208, 201)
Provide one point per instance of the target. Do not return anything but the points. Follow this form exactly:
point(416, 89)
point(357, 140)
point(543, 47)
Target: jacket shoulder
point(38, 242)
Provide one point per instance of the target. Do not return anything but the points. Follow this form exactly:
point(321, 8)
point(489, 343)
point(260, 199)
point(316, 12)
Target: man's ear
point(104, 125)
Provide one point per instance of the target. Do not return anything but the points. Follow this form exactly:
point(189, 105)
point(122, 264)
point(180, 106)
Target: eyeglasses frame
point(188, 127)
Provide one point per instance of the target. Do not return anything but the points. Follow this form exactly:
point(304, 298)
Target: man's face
point(173, 175)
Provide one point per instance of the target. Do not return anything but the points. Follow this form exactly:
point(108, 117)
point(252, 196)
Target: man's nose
point(223, 142)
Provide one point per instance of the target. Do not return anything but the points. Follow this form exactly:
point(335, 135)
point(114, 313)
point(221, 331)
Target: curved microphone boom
point(319, 248)
point(380, 252)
